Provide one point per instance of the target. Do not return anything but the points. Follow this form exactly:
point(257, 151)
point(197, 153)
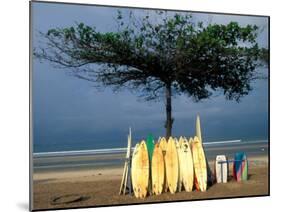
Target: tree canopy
point(173, 55)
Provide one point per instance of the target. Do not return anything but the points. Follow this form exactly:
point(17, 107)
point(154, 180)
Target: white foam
point(222, 142)
point(122, 150)
point(80, 152)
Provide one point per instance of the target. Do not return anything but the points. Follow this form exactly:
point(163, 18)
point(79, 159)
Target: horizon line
point(120, 150)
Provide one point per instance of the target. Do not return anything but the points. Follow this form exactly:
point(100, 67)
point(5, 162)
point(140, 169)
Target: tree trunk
point(169, 119)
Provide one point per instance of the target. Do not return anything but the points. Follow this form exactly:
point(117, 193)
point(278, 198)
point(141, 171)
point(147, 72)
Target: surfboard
point(200, 167)
point(180, 161)
point(150, 148)
point(140, 171)
point(157, 170)
point(134, 171)
point(186, 165)
point(240, 167)
point(190, 141)
point(172, 165)
point(181, 139)
point(198, 133)
point(126, 177)
point(159, 139)
point(221, 169)
point(163, 145)
point(198, 129)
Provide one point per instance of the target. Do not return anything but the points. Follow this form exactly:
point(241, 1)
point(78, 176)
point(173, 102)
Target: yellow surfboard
point(186, 165)
point(133, 170)
point(180, 162)
point(198, 133)
point(198, 129)
point(163, 145)
point(181, 139)
point(199, 162)
point(172, 165)
point(190, 141)
point(158, 170)
point(140, 170)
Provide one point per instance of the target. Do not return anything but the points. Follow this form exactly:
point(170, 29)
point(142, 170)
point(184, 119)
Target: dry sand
point(101, 187)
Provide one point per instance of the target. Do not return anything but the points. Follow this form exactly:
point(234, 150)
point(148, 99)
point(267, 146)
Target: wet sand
point(98, 187)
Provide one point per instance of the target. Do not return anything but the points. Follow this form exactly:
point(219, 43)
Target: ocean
point(88, 145)
point(115, 157)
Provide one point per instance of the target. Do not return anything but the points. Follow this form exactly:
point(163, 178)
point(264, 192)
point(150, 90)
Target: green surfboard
point(150, 146)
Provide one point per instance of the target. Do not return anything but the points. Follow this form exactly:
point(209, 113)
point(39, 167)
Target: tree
point(172, 55)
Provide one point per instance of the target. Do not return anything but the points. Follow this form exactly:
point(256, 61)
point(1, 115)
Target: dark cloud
point(70, 114)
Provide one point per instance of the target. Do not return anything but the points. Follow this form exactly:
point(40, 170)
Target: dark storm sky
point(68, 111)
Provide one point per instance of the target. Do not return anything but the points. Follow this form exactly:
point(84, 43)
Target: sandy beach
point(100, 186)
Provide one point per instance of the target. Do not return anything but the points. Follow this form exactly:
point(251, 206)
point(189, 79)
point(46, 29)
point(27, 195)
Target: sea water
point(115, 157)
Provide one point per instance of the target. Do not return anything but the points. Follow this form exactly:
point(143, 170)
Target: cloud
point(69, 112)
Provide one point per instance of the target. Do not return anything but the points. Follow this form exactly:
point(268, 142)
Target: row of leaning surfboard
point(178, 164)
point(173, 165)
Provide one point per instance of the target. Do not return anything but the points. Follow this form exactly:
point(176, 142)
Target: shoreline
point(111, 173)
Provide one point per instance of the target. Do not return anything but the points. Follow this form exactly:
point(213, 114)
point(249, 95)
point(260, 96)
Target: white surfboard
point(221, 169)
